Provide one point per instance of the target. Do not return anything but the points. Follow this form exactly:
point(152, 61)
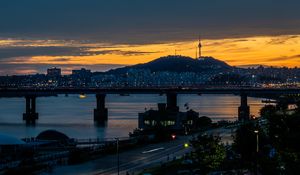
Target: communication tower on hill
point(199, 47)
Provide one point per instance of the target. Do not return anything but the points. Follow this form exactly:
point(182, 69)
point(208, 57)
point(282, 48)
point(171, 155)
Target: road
point(153, 158)
point(130, 161)
point(140, 158)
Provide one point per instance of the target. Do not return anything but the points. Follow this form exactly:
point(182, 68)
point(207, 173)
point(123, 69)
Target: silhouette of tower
point(199, 47)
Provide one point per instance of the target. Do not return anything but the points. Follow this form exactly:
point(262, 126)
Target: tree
point(284, 133)
point(268, 111)
point(209, 152)
point(245, 142)
point(204, 122)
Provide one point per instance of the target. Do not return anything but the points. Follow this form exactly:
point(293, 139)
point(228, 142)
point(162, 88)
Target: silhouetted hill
point(178, 64)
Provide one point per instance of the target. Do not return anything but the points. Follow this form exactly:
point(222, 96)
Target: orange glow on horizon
point(267, 50)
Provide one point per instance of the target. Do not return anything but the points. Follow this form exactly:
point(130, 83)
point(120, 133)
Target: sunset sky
point(105, 34)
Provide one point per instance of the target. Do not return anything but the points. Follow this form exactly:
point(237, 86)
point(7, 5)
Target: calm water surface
point(74, 116)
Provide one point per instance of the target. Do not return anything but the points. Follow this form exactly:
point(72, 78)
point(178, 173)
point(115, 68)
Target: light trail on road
point(146, 161)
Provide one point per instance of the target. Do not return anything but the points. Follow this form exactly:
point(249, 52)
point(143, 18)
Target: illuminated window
point(189, 122)
point(153, 122)
point(147, 122)
point(167, 123)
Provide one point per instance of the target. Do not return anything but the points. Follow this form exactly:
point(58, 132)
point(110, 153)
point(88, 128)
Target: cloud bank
point(136, 21)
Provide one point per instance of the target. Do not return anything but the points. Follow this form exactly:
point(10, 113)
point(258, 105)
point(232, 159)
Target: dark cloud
point(138, 21)
point(13, 53)
point(126, 53)
point(281, 40)
point(227, 43)
point(117, 52)
point(237, 49)
point(285, 58)
point(61, 59)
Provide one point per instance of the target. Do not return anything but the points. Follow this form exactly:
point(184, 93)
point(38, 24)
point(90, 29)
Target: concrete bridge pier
point(100, 113)
point(172, 102)
point(30, 116)
point(244, 109)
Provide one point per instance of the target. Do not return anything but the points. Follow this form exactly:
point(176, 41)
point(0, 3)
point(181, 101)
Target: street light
point(257, 148)
point(117, 140)
point(256, 132)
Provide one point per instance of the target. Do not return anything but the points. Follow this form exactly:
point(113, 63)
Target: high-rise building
point(54, 72)
point(81, 73)
point(81, 77)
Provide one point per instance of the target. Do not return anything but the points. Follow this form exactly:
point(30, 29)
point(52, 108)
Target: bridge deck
point(57, 91)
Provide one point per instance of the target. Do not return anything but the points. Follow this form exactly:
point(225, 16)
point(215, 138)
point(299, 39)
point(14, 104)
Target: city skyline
point(110, 34)
point(149, 87)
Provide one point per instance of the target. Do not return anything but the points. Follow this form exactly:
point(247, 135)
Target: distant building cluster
point(255, 77)
point(146, 78)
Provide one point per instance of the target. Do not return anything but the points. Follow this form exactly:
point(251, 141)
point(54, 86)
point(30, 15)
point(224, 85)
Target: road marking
point(122, 166)
point(153, 150)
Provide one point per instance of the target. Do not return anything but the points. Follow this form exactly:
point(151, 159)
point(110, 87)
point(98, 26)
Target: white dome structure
point(9, 140)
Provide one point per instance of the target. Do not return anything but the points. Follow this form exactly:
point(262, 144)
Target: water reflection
point(74, 116)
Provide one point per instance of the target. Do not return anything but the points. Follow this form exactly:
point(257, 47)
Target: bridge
point(101, 112)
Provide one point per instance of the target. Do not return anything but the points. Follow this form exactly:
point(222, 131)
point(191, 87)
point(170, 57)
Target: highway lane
point(132, 160)
point(157, 161)
point(157, 155)
point(152, 159)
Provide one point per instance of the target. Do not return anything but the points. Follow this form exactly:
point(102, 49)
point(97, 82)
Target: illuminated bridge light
point(82, 96)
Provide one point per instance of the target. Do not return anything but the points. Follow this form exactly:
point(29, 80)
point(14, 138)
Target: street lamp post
point(257, 149)
point(118, 157)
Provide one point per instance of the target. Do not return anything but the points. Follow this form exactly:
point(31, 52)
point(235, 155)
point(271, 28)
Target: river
point(74, 116)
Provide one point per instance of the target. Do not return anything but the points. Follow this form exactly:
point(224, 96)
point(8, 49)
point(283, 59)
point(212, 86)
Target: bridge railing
point(102, 140)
